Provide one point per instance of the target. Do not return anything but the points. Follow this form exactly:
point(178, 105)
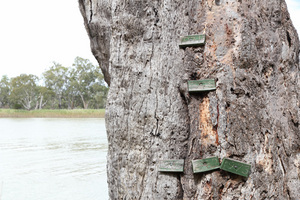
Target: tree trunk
point(41, 102)
point(36, 104)
point(85, 104)
point(251, 50)
point(59, 101)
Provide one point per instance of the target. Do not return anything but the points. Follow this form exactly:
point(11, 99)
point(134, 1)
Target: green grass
point(76, 113)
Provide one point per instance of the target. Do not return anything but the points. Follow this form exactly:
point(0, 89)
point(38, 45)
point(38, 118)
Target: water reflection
point(47, 159)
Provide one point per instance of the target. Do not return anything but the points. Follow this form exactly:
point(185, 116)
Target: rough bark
point(252, 51)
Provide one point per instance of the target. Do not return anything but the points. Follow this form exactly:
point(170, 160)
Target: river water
point(53, 159)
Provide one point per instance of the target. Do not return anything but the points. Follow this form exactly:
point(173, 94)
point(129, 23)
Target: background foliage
point(79, 86)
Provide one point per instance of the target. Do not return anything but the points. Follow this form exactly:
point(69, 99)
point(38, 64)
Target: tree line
point(79, 86)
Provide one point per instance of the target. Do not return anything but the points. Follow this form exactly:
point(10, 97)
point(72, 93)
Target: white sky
point(294, 10)
point(34, 33)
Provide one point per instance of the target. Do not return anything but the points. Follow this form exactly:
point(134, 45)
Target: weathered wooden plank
point(171, 165)
point(201, 85)
point(236, 167)
point(207, 164)
point(192, 41)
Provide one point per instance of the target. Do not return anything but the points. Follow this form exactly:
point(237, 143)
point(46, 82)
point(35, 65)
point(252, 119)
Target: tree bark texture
point(251, 50)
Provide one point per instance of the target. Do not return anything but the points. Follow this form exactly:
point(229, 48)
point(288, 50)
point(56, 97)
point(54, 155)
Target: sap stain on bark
point(209, 135)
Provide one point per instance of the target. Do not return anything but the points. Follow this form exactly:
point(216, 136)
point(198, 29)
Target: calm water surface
point(53, 159)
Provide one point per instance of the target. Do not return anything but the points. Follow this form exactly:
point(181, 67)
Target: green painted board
point(235, 167)
point(206, 164)
point(171, 165)
point(192, 41)
point(201, 85)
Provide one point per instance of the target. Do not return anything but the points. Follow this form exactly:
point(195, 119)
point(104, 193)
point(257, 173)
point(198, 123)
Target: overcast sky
point(34, 33)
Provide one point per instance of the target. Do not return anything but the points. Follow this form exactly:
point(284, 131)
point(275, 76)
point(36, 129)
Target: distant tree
point(24, 91)
point(4, 91)
point(87, 80)
point(99, 96)
point(71, 91)
point(56, 79)
point(45, 95)
point(99, 90)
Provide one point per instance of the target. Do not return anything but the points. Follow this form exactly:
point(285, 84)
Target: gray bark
point(252, 51)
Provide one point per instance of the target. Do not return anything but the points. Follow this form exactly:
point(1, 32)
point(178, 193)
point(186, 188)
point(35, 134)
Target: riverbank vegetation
point(45, 113)
point(81, 86)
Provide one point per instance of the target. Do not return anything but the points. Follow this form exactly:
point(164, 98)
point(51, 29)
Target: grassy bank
point(78, 113)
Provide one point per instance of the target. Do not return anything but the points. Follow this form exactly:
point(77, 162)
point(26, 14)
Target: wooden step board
point(192, 41)
point(236, 167)
point(206, 164)
point(171, 165)
point(201, 85)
